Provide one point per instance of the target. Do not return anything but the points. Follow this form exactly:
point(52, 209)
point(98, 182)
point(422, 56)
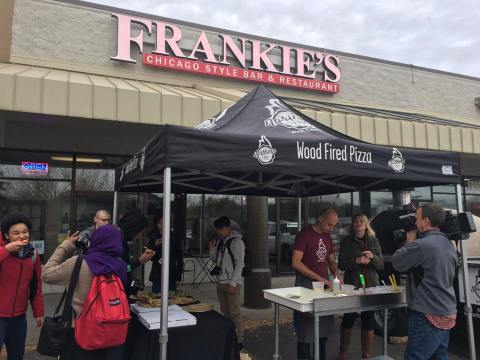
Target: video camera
point(391, 226)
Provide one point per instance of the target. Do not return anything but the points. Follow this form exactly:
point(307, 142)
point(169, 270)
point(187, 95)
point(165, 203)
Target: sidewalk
point(259, 340)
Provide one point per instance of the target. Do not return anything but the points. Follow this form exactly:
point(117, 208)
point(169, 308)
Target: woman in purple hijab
point(104, 256)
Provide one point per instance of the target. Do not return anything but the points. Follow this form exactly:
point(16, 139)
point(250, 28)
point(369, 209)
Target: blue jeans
point(425, 341)
point(13, 332)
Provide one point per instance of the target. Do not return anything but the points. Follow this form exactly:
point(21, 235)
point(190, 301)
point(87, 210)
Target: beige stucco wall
point(6, 19)
point(70, 47)
point(83, 39)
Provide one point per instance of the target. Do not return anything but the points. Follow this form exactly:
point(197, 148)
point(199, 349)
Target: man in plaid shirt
point(430, 263)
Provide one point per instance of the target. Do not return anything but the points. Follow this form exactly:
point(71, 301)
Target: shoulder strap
point(230, 252)
point(67, 309)
point(57, 310)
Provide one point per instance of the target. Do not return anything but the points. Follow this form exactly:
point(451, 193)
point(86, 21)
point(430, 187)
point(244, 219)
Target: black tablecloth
point(212, 338)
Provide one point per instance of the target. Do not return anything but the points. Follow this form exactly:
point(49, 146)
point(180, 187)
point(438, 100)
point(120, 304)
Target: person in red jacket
point(20, 282)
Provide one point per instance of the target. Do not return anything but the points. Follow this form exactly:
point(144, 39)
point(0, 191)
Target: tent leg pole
point(163, 338)
point(299, 213)
point(466, 282)
point(115, 208)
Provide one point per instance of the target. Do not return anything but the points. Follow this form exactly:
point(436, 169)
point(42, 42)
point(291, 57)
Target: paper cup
point(318, 286)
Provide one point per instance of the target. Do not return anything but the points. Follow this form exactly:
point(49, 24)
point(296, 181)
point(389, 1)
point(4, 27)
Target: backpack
point(103, 322)
point(247, 260)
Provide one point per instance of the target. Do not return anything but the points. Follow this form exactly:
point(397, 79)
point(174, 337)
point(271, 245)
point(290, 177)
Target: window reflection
point(46, 203)
point(381, 200)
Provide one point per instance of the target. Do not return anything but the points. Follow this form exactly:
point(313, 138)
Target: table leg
point(317, 339)
point(276, 355)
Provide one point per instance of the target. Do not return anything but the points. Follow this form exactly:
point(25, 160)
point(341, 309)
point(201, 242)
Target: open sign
point(34, 167)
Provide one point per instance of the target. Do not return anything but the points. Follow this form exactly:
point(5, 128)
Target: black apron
point(303, 322)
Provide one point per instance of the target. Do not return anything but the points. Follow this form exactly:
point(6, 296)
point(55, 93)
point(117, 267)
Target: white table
point(318, 304)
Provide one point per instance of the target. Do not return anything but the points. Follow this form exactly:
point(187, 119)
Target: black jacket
point(176, 259)
point(350, 250)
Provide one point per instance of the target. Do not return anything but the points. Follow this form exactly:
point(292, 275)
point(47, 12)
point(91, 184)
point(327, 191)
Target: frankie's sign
point(299, 68)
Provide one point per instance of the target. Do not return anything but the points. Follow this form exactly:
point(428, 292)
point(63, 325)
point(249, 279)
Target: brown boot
point(345, 335)
point(367, 343)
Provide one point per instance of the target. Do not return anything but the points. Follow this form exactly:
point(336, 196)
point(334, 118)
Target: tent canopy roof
point(262, 146)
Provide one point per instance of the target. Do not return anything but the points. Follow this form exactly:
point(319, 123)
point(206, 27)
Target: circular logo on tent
point(396, 162)
point(265, 153)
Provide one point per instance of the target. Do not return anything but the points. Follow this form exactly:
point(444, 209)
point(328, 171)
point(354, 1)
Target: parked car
point(288, 231)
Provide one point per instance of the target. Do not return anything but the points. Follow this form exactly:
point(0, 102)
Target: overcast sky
point(438, 34)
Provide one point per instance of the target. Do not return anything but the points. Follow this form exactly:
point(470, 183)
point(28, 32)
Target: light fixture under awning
point(79, 159)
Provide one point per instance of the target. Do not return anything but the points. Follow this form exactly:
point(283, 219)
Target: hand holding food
point(146, 256)
point(15, 246)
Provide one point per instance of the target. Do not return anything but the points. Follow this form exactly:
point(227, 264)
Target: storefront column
point(260, 277)
point(365, 203)
point(400, 198)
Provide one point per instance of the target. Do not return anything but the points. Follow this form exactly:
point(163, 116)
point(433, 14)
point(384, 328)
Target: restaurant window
point(421, 195)
point(93, 191)
point(343, 205)
point(44, 197)
point(472, 196)
point(380, 201)
point(445, 196)
point(202, 210)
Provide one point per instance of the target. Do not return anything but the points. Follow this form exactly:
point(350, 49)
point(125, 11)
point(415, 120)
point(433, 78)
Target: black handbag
point(53, 335)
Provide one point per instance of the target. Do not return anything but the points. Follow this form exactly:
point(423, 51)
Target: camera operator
point(228, 255)
point(102, 217)
point(429, 261)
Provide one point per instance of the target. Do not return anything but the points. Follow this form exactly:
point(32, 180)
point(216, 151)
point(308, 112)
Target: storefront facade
point(84, 86)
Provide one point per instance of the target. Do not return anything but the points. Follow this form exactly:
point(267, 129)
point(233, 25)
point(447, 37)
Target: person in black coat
point(176, 257)
point(132, 224)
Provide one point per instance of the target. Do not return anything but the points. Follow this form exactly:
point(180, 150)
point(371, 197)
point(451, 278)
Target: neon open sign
point(34, 167)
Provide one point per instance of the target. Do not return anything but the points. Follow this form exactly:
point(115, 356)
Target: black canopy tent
point(262, 146)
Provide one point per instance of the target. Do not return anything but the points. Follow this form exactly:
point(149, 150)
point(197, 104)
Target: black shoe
point(240, 347)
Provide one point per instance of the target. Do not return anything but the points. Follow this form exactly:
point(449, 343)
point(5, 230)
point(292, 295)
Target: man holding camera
point(228, 254)
point(102, 217)
point(429, 261)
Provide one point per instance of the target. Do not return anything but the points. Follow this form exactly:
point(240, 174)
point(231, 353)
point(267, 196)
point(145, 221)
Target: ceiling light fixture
point(79, 159)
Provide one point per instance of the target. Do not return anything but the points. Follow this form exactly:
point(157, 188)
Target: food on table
point(182, 301)
point(200, 307)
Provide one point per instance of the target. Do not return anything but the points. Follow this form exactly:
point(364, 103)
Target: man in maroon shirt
point(312, 258)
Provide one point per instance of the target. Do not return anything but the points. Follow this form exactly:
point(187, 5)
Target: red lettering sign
point(200, 67)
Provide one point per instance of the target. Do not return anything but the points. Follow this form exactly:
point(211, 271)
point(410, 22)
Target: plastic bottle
point(336, 285)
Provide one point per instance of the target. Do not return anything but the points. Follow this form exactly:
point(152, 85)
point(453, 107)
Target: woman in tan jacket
point(102, 257)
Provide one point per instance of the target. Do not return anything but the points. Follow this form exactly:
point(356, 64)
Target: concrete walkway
point(259, 328)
